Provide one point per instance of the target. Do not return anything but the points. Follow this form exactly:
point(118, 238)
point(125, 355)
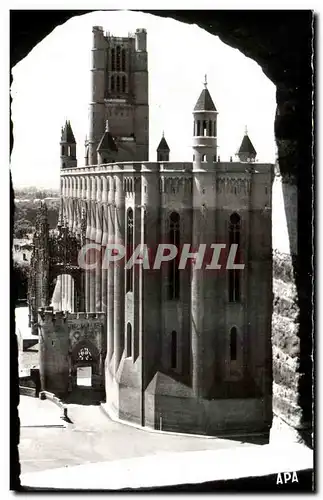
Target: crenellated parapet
point(47, 315)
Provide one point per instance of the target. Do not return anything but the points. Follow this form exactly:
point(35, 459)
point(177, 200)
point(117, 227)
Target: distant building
point(22, 250)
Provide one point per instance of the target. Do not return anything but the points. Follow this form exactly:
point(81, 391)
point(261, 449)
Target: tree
point(21, 228)
point(20, 278)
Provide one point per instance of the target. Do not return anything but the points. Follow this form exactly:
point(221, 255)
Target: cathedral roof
point(67, 133)
point(247, 146)
point(205, 102)
point(163, 146)
point(107, 143)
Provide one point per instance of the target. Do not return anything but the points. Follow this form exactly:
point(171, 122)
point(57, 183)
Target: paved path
point(93, 437)
point(96, 452)
point(34, 412)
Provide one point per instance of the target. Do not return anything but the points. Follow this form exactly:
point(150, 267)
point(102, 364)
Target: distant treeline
point(32, 193)
point(25, 217)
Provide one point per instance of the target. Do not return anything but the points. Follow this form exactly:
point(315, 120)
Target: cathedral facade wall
point(148, 316)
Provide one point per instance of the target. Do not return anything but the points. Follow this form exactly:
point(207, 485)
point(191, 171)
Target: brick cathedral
point(175, 349)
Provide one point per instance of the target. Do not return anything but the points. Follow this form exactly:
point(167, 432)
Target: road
point(93, 437)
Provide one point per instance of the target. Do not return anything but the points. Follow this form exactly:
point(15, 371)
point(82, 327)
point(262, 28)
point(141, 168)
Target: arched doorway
point(85, 366)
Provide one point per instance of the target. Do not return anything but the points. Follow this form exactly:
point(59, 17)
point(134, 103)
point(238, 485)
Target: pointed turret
point(68, 147)
point(107, 148)
point(163, 150)
point(205, 128)
point(246, 152)
point(205, 101)
point(67, 133)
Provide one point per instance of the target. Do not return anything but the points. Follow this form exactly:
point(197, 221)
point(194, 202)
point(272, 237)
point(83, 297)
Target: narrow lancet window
point(129, 341)
point(118, 58)
point(123, 60)
point(113, 83)
point(123, 83)
point(113, 59)
point(234, 274)
point(129, 243)
point(174, 350)
point(174, 239)
point(233, 344)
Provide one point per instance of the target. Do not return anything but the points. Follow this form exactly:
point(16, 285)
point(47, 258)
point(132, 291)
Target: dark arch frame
point(280, 41)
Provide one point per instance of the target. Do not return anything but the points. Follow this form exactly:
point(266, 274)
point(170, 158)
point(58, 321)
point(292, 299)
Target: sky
point(52, 84)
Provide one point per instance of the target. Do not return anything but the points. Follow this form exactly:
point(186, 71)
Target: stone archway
point(280, 41)
point(85, 354)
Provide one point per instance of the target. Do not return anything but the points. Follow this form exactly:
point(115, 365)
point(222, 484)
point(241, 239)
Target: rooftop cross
point(246, 130)
point(205, 80)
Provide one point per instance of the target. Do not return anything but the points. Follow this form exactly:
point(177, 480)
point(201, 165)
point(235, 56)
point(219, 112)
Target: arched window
point(118, 83)
point(118, 58)
point(174, 239)
point(210, 128)
point(123, 60)
point(233, 344)
point(234, 274)
point(129, 243)
point(204, 126)
point(62, 150)
point(113, 83)
point(113, 59)
point(203, 158)
point(123, 83)
point(84, 354)
point(129, 341)
point(174, 350)
point(198, 128)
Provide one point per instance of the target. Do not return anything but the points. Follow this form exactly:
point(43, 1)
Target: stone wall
point(61, 335)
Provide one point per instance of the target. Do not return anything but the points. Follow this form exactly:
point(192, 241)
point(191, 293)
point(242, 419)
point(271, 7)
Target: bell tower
point(205, 129)
point(68, 147)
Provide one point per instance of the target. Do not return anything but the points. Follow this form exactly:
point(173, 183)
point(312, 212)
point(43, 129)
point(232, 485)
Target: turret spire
point(68, 147)
point(205, 128)
point(246, 151)
point(163, 149)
